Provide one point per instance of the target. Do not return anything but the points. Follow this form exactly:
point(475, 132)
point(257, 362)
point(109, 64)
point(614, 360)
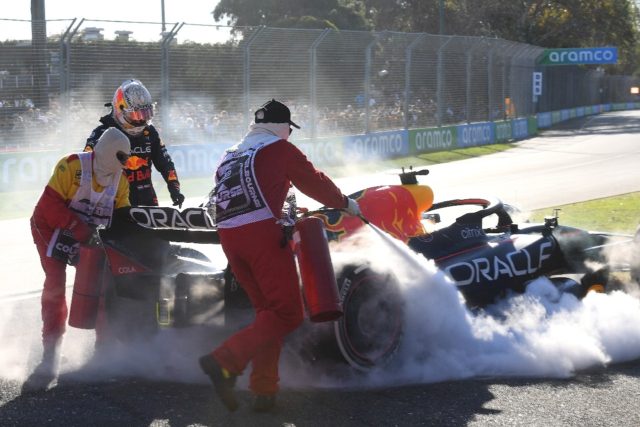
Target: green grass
point(619, 214)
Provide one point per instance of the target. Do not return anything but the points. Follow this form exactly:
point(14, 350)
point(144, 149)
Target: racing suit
point(252, 182)
point(63, 210)
point(146, 150)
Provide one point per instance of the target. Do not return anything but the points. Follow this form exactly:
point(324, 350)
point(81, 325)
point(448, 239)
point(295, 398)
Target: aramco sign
point(591, 55)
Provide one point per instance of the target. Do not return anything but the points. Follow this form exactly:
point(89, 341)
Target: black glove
point(176, 196)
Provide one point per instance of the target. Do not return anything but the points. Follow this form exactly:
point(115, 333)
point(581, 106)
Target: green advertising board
point(432, 139)
point(503, 130)
point(577, 56)
point(532, 124)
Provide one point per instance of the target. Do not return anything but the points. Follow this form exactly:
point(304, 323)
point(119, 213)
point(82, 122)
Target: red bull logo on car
point(396, 209)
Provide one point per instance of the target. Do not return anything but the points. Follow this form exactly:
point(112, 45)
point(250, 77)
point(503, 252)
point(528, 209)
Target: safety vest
point(92, 207)
point(237, 197)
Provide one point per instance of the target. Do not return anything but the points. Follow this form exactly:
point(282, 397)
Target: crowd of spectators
point(24, 126)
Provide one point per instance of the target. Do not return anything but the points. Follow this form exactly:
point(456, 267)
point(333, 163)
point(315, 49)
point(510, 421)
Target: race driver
point(251, 184)
point(81, 195)
point(131, 112)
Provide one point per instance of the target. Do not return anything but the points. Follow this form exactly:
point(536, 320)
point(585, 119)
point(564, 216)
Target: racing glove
point(353, 208)
point(176, 196)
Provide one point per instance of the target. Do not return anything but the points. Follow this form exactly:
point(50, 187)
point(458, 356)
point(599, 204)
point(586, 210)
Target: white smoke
point(541, 333)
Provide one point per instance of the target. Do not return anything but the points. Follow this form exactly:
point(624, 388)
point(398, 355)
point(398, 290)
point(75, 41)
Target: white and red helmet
point(132, 107)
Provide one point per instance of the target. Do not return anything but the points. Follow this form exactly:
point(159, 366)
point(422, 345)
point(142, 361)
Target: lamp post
point(164, 28)
point(40, 96)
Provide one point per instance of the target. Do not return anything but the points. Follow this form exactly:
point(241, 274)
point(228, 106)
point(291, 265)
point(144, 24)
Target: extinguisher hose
point(395, 244)
point(365, 220)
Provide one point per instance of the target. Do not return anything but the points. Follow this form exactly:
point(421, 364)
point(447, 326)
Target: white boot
point(45, 374)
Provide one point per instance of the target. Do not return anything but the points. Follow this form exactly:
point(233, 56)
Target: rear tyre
point(370, 331)
point(598, 281)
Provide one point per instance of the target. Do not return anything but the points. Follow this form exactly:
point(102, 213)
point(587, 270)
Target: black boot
point(223, 381)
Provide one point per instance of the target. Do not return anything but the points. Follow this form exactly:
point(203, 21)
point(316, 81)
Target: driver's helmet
point(132, 107)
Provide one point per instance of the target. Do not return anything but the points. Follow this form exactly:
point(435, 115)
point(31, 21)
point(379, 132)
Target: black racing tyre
point(597, 281)
point(370, 331)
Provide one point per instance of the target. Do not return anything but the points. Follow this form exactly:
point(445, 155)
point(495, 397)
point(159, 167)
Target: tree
point(568, 23)
point(545, 23)
point(292, 13)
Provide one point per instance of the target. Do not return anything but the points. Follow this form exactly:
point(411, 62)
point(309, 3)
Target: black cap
point(274, 112)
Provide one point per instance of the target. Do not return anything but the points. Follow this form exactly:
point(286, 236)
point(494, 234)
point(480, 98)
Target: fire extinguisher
point(319, 285)
point(86, 287)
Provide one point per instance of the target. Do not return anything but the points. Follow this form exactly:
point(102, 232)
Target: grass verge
point(618, 214)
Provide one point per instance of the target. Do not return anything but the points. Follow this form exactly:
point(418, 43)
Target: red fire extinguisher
point(86, 288)
point(318, 279)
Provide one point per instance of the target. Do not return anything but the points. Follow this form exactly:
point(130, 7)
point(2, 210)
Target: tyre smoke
point(542, 333)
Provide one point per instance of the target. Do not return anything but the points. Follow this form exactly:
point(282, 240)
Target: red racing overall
point(55, 210)
point(252, 182)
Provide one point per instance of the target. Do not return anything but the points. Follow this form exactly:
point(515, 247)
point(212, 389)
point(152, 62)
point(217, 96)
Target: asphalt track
point(586, 159)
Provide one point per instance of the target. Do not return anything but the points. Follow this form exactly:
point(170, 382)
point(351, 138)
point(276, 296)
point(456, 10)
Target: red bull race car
point(148, 273)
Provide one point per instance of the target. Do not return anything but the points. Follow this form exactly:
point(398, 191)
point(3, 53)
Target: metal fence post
point(506, 114)
point(246, 82)
point(515, 93)
point(490, 117)
point(68, 59)
point(407, 76)
point(367, 80)
point(468, 85)
point(63, 57)
point(313, 80)
point(440, 82)
point(164, 72)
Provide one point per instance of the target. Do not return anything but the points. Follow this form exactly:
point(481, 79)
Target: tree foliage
point(545, 23)
point(292, 13)
point(568, 23)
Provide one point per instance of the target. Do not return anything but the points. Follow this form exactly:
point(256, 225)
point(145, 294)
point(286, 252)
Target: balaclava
point(105, 161)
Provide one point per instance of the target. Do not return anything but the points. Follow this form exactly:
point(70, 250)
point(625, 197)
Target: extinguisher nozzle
point(365, 220)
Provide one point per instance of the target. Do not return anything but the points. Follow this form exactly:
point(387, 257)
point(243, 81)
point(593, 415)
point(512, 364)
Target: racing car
point(153, 275)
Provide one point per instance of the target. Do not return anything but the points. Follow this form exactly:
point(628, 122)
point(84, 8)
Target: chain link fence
point(207, 80)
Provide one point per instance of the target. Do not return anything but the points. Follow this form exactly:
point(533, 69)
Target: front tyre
point(370, 331)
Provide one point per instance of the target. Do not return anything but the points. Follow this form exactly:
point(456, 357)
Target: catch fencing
point(207, 80)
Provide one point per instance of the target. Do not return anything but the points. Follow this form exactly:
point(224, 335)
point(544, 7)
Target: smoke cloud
point(541, 333)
